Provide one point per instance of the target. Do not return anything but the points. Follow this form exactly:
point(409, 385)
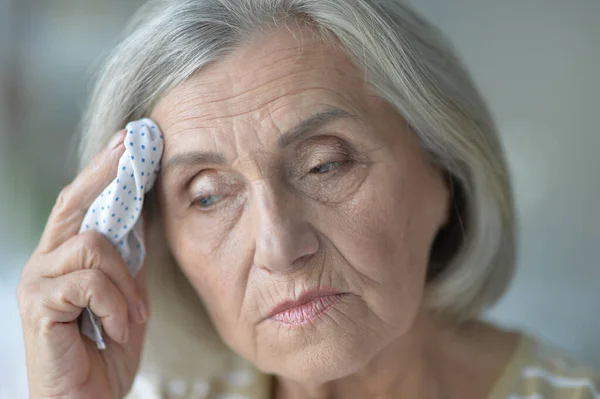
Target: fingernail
point(140, 313)
point(125, 336)
point(143, 311)
point(116, 140)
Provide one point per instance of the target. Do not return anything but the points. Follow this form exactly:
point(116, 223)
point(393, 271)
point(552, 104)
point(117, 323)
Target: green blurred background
point(536, 62)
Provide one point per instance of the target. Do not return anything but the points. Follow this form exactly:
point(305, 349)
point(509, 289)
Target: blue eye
point(326, 167)
point(207, 201)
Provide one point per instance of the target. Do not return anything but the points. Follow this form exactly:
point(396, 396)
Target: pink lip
point(310, 305)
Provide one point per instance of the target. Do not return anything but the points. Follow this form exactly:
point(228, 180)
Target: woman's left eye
point(326, 167)
point(208, 201)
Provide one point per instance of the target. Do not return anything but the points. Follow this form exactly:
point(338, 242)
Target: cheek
point(215, 264)
point(385, 235)
point(379, 228)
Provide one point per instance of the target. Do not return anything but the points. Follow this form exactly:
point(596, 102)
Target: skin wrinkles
point(240, 94)
point(183, 121)
point(278, 226)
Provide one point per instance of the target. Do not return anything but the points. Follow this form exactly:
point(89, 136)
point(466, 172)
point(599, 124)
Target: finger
point(91, 250)
point(74, 199)
point(137, 331)
point(66, 296)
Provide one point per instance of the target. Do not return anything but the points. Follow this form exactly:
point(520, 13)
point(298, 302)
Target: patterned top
point(535, 371)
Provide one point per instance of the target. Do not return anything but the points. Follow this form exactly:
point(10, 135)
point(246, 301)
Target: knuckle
point(28, 290)
point(39, 318)
point(42, 324)
point(23, 297)
point(96, 283)
point(62, 200)
point(33, 267)
point(30, 308)
point(93, 239)
point(92, 247)
point(23, 294)
point(94, 279)
point(90, 283)
point(39, 321)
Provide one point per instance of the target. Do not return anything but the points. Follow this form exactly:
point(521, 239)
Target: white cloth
point(116, 212)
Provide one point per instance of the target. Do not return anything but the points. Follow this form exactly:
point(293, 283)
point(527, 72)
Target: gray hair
point(408, 63)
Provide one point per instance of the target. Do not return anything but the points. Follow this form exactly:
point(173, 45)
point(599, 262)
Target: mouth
point(308, 307)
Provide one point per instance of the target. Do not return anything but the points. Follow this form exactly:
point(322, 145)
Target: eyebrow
point(314, 122)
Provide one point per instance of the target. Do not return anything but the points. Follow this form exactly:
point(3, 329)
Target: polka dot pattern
point(116, 212)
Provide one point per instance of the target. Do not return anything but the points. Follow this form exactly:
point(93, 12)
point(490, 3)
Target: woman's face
point(281, 176)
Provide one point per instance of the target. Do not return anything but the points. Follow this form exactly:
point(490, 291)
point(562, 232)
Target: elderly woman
point(332, 214)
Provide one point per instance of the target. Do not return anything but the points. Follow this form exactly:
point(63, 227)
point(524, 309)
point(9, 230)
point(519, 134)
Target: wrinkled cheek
point(213, 262)
point(386, 258)
point(215, 280)
point(376, 245)
point(218, 300)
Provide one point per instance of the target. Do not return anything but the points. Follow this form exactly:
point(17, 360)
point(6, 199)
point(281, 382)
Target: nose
point(284, 241)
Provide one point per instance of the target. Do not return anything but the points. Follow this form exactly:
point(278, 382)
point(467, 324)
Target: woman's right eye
point(207, 201)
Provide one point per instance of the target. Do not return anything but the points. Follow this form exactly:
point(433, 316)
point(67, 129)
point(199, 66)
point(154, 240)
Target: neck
point(407, 367)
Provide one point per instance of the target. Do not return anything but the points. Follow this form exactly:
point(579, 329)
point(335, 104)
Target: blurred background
point(536, 62)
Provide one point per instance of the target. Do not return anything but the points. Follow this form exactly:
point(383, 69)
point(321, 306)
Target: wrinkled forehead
point(260, 90)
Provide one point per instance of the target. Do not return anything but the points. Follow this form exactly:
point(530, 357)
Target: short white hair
point(409, 64)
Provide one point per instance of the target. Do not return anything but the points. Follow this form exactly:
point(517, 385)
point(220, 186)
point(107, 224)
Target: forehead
point(266, 86)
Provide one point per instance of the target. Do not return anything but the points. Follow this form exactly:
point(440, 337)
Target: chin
point(324, 362)
point(327, 349)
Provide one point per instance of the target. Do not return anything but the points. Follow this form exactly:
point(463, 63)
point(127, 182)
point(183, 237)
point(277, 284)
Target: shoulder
point(148, 386)
point(539, 370)
point(241, 382)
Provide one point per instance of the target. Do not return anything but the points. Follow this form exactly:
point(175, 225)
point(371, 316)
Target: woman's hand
point(68, 272)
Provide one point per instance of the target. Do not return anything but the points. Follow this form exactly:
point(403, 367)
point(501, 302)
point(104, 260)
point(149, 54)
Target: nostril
point(302, 259)
point(264, 268)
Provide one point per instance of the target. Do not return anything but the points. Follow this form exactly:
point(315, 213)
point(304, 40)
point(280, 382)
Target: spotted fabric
point(116, 211)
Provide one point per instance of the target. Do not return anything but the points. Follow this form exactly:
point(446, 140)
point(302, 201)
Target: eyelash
point(325, 164)
point(198, 201)
point(339, 167)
